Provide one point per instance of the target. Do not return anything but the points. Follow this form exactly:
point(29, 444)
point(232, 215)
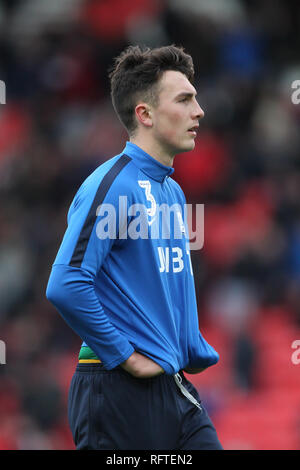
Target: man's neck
point(154, 150)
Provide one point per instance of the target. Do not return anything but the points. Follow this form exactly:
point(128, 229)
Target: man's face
point(175, 118)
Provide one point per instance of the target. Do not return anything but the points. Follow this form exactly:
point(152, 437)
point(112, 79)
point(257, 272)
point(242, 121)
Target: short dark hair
point(136, 73)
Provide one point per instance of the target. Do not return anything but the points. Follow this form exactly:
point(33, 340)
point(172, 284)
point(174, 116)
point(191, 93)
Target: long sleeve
point(71, 286)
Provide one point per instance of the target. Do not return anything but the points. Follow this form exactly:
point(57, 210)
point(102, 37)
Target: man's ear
point(143, 114)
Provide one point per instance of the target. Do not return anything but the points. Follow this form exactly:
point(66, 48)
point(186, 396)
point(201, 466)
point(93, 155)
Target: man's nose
point(199, 112)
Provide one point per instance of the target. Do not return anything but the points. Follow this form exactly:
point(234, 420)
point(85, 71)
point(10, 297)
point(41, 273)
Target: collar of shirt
point(151, 167)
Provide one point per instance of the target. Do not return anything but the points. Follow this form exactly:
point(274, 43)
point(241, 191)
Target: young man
point(128, 290)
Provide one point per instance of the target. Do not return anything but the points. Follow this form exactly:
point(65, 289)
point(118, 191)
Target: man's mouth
point(193, 130)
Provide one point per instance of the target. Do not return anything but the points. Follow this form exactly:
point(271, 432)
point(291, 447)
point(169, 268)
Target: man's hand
point(189, 370)
point(141, 366)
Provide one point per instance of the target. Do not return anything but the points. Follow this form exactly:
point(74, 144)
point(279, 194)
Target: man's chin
point(187, 147)
point(183, 147)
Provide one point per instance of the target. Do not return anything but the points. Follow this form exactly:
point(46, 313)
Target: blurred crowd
point(58, 125)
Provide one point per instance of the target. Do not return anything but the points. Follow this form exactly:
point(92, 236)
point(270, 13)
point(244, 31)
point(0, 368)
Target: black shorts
point(112, 410)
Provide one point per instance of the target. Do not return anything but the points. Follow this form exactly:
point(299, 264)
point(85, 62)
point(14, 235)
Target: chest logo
point(151, 211)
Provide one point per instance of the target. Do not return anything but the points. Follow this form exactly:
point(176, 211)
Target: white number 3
point(146, 185)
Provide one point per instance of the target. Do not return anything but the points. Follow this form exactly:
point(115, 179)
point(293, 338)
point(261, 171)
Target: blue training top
point(118, 280)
